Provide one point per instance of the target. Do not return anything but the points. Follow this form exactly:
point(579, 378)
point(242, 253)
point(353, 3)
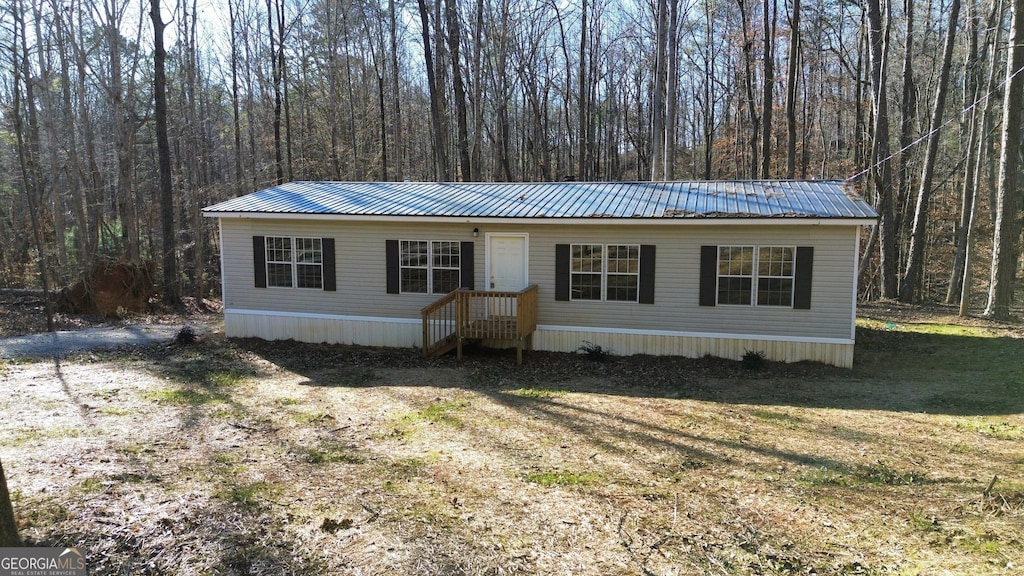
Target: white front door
point(506, 262)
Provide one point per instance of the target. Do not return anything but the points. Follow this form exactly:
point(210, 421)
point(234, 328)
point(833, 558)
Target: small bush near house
point(753, 360)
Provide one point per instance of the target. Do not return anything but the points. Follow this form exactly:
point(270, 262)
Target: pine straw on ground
point(249, 457)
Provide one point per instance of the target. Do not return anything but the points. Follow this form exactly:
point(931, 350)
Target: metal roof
point(656, 200)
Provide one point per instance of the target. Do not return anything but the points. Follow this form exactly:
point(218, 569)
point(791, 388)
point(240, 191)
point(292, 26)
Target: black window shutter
point(466, 260)
point(802, 280)
point(391, 256)
point(708, 275)
point(647, 273)
point(259, 261)
point(330, 268)
point(562, 272)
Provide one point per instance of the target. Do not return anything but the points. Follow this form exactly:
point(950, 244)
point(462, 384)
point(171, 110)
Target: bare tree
point(1005, 243)
point(748, 84)
point(277, 75)
point(908, 112)
point(908, 285)
point(981, 119)
point(659, 92)
point(461, 118)
point(170, 247)
point(672, 98)
point(236, 124)
point(792, 74)
point(437, 128)
point(881, 173)
point(28, 152)
point(768, 87)
point(398, 141)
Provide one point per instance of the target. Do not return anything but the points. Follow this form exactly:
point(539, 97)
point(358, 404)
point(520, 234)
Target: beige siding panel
point(361, 276)
point(678, 272)
point(361, 272)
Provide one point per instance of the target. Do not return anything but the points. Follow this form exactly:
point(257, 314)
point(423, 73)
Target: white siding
point(407, 333)
point(361, 275)
point(620, 344)
point(323, 329)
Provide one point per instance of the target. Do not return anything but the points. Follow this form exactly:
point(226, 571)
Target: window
point(735, 274)
point(279, 262)
point(429, 267)
point(746, 271)
point(605, 272)
point(775, 276)
point(287, 261)
point(294, 262)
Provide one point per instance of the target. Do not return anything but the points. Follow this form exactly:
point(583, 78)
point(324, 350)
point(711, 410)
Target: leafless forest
point(121, 119)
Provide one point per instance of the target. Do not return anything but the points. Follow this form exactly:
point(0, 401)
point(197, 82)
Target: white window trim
point(604, 272)
point(294, 263)
point(430, 264)
point(754, 275)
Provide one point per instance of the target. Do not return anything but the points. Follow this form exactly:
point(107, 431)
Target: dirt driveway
point(66, 342)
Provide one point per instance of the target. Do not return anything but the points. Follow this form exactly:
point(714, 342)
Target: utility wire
point(949, 121)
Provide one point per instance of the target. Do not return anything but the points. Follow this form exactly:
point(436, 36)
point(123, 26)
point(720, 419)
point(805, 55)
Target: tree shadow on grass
point(893, 371)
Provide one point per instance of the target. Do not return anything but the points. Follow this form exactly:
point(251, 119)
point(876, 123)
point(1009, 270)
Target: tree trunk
point(502, 161)
point(768, 89)
point(878, 33)
point(792, 73)
point(166, 193)
point(49, 117)
point(76, 170)
point(672, 93)
point(477, 98)
point(709, 108)
point(124, 129)
point(461, 117)
point(397, 143)
point(748, 85)
point(236, 122)
point(28, 152)
point(908, 113)
point(1005, 247)
point(992, 40)
point(859, 125)
point(582, 100)
point(440, 145)
point(275, 71)
point(972, 83)
point(283, 80)
point(352, 125)
point(8, 528)
point(660, 75)
point(908, 286)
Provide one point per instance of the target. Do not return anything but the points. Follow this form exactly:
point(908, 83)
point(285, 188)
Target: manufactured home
point(716, 268)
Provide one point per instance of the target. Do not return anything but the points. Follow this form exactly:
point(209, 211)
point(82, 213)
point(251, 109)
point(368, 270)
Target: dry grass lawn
point(246, 457)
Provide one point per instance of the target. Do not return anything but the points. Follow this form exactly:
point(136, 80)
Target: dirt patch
point(110, 289)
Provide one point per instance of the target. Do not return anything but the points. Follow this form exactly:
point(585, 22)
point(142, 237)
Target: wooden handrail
point(483, 314)
point(440, 324)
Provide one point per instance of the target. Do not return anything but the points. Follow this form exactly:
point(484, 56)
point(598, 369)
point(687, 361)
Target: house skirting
point(695, 345)
point(408, 333)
